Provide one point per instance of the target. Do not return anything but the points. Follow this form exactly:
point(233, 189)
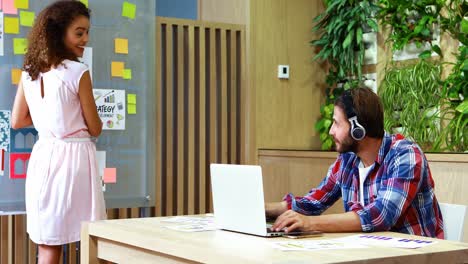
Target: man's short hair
point(368, 108)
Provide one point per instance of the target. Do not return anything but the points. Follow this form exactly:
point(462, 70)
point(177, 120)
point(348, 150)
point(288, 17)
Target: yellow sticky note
point(22, 4)
point(131, 109)
point(131, 99)
point(128, 10)
point(127, 74)
point(85, 2)
point(15, 76)
point(121, 45)
point(117, 69)
point(19, 46)
point(11, 25)
point(27, 18)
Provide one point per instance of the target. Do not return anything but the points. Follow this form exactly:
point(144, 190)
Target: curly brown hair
point(46, 46)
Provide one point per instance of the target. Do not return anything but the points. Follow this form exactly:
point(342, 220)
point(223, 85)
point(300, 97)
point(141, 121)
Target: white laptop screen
point(238, 200)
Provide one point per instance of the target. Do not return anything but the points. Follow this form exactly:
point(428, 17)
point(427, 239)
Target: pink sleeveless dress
point(62, 184)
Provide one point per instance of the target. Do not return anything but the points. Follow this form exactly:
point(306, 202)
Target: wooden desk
point(145, 240)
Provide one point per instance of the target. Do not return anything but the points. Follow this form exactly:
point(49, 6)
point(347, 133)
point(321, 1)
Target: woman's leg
point(49, 254)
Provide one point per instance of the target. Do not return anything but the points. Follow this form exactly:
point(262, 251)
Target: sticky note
point(22, 4)
point(19, 46)
point(121, 45)
point(117, 69)
point(9, 7)
point(127, 74)
point(131, 98)
point(27, 18)
point(11, 25)
point(128, 10)
point(85, 2)
point(131, 109)
point(110, 175)
point(15, 76)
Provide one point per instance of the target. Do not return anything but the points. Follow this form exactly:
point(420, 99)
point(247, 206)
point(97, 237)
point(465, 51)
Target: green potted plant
point(411, 97)
point(341, 28)
point(412, 23)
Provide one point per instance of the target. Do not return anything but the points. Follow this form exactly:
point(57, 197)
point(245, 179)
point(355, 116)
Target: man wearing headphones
point(384, 180)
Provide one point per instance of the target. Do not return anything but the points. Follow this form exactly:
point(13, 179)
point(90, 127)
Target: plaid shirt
point(398, 192)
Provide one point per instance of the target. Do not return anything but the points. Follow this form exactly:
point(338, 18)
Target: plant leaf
point(465, 65)
point(348, 39)
point(437, 50)
point(464, 26)
point(463, 107)
point(425, 54)
point(373, 25)
point(359, 35)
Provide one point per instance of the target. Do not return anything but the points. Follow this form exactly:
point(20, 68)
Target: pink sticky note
point(9, 7)
point(110, 175)
point(19, 165)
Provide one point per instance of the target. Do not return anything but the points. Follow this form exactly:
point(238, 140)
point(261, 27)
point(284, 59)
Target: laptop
point(238, 200)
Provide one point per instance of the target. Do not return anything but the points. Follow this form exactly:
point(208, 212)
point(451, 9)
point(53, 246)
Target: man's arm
point(275, 209)
point(345, 222)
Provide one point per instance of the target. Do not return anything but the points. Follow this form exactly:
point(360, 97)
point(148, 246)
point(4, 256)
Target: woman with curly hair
point(55, 94)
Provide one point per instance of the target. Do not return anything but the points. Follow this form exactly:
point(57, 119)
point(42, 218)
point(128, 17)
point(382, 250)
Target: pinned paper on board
point(9, 7)
point(11, 25)
point(85, 2)
point(131, 98)
point(131, 109)
point(1, 32)
point(110, 175)
point(22, 4)
point(15, 76)
point(20, 45)
point(27, 18)
point(101, 162)
point(117, 69)
point(127, 74)
point(128, 10)
point(5, 129)
point(131, 104)
point(19, 165)
point(121, 45)
point(111, 108)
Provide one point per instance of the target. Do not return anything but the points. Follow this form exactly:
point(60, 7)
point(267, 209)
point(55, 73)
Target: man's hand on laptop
point(273, 210)
point(290, 221)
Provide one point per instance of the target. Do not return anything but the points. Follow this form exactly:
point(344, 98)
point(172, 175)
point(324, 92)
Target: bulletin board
point(121, 59)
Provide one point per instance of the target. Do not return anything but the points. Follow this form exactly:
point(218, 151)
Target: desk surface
point(146, 240)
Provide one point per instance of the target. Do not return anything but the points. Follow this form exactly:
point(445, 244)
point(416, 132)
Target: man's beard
point(349, 144)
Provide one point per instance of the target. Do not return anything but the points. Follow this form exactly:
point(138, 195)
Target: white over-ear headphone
point(357, 131)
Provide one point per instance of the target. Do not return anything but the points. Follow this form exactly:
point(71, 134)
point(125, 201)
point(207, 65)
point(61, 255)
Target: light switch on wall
point(283, 71)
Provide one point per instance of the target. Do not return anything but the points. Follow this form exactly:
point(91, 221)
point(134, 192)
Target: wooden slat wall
point(199, 121)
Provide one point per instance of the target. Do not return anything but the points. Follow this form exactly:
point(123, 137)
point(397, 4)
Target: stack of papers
point(191, 224)
point(356, 241)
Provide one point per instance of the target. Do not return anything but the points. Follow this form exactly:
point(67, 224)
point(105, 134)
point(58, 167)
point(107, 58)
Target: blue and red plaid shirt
point(398, 192)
